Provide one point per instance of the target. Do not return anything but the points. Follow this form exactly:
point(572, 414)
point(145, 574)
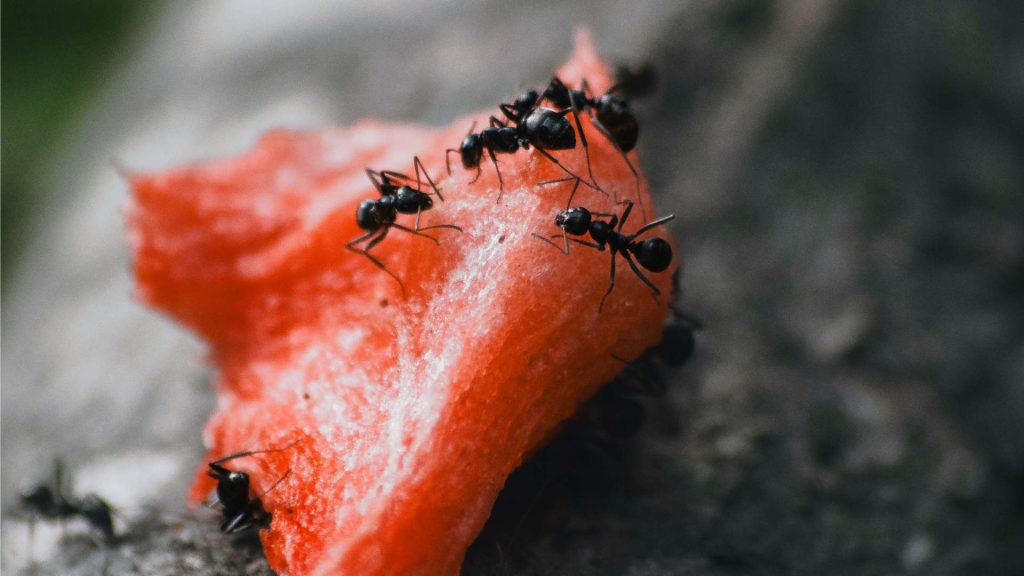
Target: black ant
point(52, 501)
point(240, 511)
point(654, 254)
point(396, 197)
point(532, 125)
point(635, 81)
point(610, 114)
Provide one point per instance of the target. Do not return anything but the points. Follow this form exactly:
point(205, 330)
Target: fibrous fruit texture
point(407, 412)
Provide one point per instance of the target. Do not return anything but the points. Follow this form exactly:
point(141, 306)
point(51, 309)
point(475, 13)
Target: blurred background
point(848, 185)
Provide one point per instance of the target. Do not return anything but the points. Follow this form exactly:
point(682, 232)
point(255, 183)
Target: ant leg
point(611, 284)
point(414, 232)
point(545, 153)
point(640, 275)
point(393, 175)
point(375, 177)
point(585, 243)
point(447, 159)
point(419, 167)
point(435, 226)
point(283, 448)
point(625, 158)
point(559, 181)
point(418, 229)
point(583, 138)
point(366, 252)
point(625, 215)
point(564, 250)
point(573, 193)
point(237, 524)
point(501, 182)
point(510, 112)
point(652, 224)
point(276, 482)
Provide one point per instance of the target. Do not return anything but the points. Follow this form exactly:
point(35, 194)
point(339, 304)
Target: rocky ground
point(847, 182)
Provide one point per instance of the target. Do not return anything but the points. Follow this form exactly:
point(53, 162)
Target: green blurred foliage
point(55, 55)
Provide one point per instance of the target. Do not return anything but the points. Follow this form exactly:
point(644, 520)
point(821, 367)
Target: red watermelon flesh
point(409, 412)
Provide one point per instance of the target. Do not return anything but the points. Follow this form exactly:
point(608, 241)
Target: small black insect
point(654, 254)
point(53, 501)
point(635, 81)
point(610, 113)
point(378, 217)
point(531, 125)
point(241, 511)
point(678, 342)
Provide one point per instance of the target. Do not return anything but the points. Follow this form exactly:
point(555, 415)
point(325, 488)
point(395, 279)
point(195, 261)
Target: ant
point(531, 125)
point(610, 114)
point(645, 375)
point(654, 254)
point(636, 81)
point(52, 501)
point(377, 217)
point(240, 511)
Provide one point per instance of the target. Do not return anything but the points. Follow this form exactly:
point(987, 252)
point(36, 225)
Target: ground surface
point(847, 184)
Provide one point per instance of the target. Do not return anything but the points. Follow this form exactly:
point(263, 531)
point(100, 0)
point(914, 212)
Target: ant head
point(38, 497)
point(655, 254)
point(410, 201)
point(550, 130)
point(575, 221)
point(471, 151)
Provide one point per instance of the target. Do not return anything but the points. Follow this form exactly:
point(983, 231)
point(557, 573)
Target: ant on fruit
point(610, 115)
point(378, 217)
point(240, 511)
point(645, 375)
point(52, 501)
point(654, 254)
point(531, 125)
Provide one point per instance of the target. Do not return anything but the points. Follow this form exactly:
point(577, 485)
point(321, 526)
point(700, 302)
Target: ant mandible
point(654, 254)
point(378, 217)
point(240, 511)
point(53, 502)
point(532, 125)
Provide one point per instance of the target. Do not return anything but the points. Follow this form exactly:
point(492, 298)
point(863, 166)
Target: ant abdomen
point(655, 254)
point(550, 129)
point(368, 215)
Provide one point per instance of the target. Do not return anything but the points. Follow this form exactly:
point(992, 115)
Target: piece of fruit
point(409, 412)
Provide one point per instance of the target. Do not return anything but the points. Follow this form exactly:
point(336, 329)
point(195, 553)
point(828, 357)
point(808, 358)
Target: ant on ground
point(531, 125)
point(240, 511)
point(53, 501)
point(654, 254)
point(378, 217)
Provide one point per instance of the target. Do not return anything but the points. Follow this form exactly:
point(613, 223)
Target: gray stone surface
point(847, 182)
